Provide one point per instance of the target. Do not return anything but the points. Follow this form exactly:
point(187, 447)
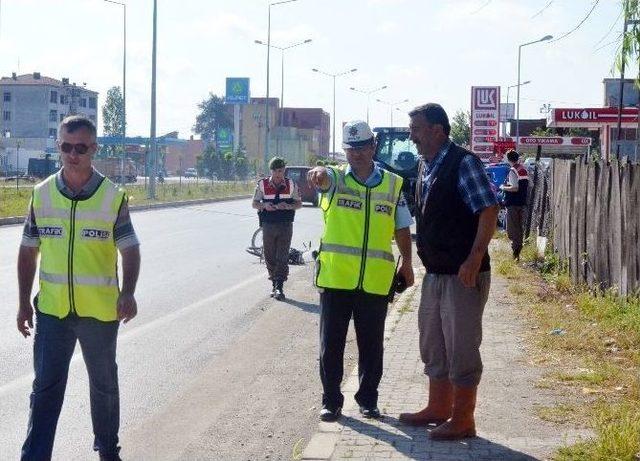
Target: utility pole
point(154, 145)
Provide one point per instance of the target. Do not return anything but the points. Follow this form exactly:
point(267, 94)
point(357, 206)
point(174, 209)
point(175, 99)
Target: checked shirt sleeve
point(474, 186)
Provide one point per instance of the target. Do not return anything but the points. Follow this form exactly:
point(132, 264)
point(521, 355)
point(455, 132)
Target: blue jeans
point(53, 346)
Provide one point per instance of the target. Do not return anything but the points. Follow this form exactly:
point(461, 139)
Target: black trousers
point(369, 313)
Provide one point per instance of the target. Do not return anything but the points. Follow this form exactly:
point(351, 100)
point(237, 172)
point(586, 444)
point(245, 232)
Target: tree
point(461, 128)
point(241, 165)
point(213, 116)
point(630, 48)
point(208, 162)
point(539, 131)
point(113, 117)
point(226, 166)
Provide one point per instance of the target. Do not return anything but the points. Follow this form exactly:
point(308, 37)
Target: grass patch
point(174, 192)
point(15, 203)
point(618, 436)
point(561, 414)
point(298, 450)
point(590, 346)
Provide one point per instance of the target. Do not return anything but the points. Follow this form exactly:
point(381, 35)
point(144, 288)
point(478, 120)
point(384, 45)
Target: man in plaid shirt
point(456, 213)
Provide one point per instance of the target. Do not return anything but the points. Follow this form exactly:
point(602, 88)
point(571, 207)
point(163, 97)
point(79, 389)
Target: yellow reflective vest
point(355, 251)
point(78, 263)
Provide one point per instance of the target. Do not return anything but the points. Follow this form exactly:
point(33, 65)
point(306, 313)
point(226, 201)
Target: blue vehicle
point(497, 173)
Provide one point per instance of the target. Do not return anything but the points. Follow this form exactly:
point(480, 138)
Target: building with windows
point(297, 134)
point(31, 107)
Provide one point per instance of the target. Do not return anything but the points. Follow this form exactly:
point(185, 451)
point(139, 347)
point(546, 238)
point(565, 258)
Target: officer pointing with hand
point(363, 211)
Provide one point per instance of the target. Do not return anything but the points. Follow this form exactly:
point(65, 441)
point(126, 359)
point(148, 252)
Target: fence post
point(533, 192)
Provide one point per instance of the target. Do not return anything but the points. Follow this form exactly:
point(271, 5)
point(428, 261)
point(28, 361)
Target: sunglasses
point(79, 148)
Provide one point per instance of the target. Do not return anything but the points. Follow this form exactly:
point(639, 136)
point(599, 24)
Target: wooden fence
point(591, 212)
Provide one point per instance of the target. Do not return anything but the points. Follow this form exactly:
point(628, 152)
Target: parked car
point(298, 174)
point(190, 173)
point(530, 163)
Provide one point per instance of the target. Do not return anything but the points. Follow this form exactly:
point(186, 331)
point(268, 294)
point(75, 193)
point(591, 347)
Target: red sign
point(596, 115)
point(547, 141)
point(535, 140)
point(485, 116)
point(488, 131)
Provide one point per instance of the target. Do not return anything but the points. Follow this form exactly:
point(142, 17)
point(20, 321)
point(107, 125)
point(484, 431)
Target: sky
point(422, 50)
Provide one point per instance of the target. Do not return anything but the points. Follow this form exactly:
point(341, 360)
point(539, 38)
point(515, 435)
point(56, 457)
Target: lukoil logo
point(486, 98)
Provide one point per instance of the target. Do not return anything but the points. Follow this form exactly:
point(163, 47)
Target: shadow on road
point(414, 442)
point(307, 307)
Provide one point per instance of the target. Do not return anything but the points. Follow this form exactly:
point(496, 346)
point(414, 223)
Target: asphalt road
point(212, 368)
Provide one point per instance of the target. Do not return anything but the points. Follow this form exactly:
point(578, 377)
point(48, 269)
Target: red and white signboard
point(485, 117)
point(563, 144)
point(591, 117)
point(555, 141)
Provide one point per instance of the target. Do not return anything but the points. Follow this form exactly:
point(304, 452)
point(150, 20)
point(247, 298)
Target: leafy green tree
point(461, 128)
point(208, 162)
point(113, 118)
point(226, 166)
point(213, 116)
point(543, 132)
point(241, 165)
point(629, 51)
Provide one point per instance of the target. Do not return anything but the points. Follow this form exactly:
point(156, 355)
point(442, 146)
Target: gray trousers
point(276, 241)
point(516, 216)
point(450, 324)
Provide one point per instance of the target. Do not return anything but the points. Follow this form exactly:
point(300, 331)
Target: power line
point(616, 41)
point(593, 7)
point(542, 10)
point(609, 31)
point(482, 7)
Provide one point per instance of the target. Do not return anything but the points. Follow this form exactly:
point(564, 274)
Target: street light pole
point(368, 93)
point(283, 49)
point(543, 39)
point(333, 148)
point(266, 103)
point(509, 88)
point(154, 147)
point(392, 105)
point(124, 87)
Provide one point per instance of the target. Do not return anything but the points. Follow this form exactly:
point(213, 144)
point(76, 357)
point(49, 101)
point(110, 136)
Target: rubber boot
point(516, 253)
point(279, 293)
point(438, 409)
point(462, 424)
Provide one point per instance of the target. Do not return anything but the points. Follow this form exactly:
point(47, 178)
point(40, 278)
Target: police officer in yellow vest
point(77, 221)
point(363, 211)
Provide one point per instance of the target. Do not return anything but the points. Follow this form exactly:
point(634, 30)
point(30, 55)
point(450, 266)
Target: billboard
point(630, 92)
point(485, 119)
point(592, 117)
point(507, 111)
point(224, 137)
point(237, 91)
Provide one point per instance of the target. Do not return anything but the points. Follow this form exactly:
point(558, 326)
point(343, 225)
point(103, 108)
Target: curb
point(20, 219)
point(323, 443)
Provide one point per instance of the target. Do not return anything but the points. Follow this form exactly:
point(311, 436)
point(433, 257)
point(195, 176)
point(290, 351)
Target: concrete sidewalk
point(507, 426)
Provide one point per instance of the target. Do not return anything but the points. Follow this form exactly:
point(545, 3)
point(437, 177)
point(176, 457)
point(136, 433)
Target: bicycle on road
point(296, 257)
